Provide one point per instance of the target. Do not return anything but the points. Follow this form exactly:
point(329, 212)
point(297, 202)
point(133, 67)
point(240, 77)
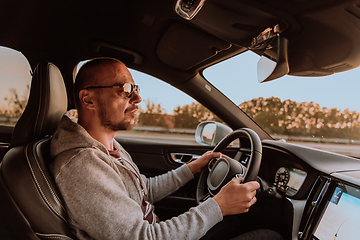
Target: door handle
point(183, 157)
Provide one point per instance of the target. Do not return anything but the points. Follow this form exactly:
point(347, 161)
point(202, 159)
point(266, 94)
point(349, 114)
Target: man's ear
point(86, 99)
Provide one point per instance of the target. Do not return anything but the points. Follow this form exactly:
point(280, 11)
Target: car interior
point(175, 41)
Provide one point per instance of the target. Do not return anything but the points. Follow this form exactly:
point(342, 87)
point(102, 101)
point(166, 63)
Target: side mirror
point(274, 63)
point(210, 133)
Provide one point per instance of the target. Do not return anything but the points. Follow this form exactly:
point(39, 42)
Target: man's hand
point(236, 198)
point(198, 164)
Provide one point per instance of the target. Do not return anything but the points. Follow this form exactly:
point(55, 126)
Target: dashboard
point(327, 184)
point(287, 173)
point(289, 180)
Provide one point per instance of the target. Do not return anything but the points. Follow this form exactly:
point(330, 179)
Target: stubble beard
point(106, 121)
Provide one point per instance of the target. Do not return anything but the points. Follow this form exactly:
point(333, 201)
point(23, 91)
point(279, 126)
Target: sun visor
point(184, 47)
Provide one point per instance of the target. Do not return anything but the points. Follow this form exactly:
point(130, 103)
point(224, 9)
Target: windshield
point(322, 112)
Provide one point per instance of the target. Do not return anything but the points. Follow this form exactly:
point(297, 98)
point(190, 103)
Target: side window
point(15, 81)
point(166, 114)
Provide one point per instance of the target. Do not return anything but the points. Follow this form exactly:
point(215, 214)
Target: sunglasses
point(128, 88)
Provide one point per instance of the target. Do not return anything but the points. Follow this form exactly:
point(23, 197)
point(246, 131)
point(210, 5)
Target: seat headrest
point(46, 105)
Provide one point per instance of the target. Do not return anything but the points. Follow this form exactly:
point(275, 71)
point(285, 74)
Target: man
point(104, 193)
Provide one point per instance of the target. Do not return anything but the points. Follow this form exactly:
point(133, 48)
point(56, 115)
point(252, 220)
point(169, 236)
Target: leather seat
point(30, 204)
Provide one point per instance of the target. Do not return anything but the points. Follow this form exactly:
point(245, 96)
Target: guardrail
point(11, 120)
point(187, 131)
point(276, 137)
point(316, 139)
point(165, 130)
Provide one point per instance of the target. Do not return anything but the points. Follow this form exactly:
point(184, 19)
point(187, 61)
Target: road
point(346, 149)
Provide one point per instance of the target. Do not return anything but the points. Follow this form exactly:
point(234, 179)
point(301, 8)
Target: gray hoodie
point(103, 198)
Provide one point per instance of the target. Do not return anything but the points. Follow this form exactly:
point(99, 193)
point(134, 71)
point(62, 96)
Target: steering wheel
point(222, 170)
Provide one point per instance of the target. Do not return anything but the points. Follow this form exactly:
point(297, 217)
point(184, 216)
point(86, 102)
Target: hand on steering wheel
point(223, 170)
point(197, 165)
point(236, 198)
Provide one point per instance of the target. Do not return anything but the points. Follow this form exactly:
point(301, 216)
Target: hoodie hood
point(70, 135)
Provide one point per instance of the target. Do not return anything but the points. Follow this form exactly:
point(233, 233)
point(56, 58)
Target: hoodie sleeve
point(161, 186)
point(102, 202)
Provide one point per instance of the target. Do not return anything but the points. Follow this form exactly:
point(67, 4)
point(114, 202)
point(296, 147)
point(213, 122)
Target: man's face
point(114, 110)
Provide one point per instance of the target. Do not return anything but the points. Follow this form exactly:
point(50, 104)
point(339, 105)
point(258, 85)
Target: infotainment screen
point(341, 218)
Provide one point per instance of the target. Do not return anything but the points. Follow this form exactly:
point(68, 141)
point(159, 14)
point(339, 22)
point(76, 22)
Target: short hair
point(87, 75)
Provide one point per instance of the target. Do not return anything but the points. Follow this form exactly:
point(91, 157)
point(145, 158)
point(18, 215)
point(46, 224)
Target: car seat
point(30, 204)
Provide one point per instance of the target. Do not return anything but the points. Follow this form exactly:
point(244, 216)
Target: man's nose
point(135, 98)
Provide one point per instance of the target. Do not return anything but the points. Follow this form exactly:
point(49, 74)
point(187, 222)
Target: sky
point(237, 78)
point(14, 73)
point(339, 90)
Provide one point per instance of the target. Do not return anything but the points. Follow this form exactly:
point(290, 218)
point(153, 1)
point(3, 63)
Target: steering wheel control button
point(236, 176)
point(212, 163)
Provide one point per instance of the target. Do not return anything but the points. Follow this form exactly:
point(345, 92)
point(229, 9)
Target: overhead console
point(329, 42)
point(234, 21)
point(212, 27)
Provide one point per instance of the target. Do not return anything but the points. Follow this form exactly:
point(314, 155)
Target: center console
point(333, 212)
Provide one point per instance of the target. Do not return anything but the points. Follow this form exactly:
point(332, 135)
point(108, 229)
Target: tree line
point(273, 115)
point(16, 104)
point(186, 116)
point(302, 118)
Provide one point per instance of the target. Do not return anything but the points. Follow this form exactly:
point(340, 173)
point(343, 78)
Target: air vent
point(317, 194)
point(316, 74)
point(311, 74)
point(339, 68)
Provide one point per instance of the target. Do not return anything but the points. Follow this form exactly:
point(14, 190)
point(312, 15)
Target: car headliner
point(67, 31)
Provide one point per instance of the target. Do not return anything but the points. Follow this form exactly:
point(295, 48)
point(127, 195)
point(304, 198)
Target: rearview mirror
point(210, 133)
point(274, 63)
